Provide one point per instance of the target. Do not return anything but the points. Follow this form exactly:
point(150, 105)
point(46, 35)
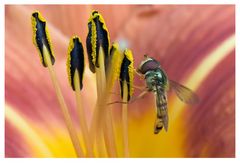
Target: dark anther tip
point(35, 14)
point(94, 12)
point(76, 40)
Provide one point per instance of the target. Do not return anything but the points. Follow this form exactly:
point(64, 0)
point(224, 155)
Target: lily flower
point(195, 45)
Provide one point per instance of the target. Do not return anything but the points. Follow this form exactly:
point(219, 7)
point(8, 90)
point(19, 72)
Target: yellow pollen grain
point(114, 68)
point(129, 56)
point(94, 43)
point(68, 63)
point(94, 34)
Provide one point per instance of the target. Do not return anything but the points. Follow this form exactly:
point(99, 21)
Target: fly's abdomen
point(158, 125)
point(162, 112)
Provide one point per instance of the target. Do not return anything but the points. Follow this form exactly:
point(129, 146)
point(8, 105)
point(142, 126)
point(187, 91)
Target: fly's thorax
point(156, 78)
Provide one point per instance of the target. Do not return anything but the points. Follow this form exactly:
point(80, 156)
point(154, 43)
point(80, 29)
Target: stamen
point(104, 118)
point(126, 73)
point(114, 65)
point(81, 115)
point(41, 40)
point(98, 55)
point(75, 69)
point(41, 37)
point(126, 83)
point(125, 120)
point(63, 106)
point(97, 36)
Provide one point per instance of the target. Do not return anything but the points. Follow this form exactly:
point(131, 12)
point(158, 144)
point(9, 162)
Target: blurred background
point(194, 43)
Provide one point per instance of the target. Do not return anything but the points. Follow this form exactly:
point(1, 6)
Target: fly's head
point(154, 75)
point(148, 64)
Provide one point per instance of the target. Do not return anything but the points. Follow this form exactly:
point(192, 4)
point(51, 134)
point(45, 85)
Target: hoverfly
point(158, 83)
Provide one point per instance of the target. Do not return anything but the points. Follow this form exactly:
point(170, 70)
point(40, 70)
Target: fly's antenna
point(146, 56)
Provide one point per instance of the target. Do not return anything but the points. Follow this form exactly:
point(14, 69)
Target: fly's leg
point(141, 95)
point(144, 90)
point(141, 88)
point(139, 74)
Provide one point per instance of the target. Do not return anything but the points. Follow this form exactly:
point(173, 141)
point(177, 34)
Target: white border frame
point(2, 68)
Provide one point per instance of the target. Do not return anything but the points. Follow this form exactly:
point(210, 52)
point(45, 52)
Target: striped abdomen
point(162, 112)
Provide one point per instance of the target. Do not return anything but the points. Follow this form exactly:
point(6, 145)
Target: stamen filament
point(126, 84)
point(63, 106)
point(109, 133)
point(125, 119)
point(95, 121)
point(101, 148)
point(102, 116)
point(81, 115)
point(108, 124)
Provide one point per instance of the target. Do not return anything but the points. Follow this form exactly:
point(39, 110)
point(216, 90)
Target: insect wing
point(184, 94)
